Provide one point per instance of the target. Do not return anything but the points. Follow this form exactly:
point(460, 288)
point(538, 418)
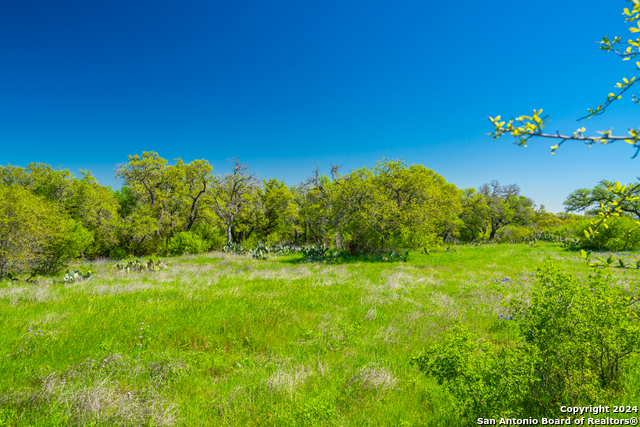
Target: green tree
point(311, 198)
point(575, 343)
point(91, 205)
point(591, 200)
point(474, 215)
point(543, 219)
point(161, 199)
point(390, 206)
point(620, 234)
point(127, 202)
point(35, 234)
point(506, 206)
point(274, 212)
point(231, 194)
point(95, 208)
point(281, 211)
point(148, 178)
point(250, 222)
point(198, 181)
point(40, 179)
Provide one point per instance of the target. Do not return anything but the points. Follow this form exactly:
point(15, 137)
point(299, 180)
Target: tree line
point(49, 216)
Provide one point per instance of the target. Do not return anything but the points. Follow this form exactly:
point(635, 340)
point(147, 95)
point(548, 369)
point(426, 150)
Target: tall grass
point(221, 339)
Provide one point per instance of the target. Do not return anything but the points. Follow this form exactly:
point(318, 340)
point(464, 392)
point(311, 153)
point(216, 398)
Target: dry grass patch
point(120, 288)
point(388, 334)
point(29, 293)
point(94, 391)
point(297, 273)
point(288, 380)
point(445, 304)
point(373, 376)
point(48, 318)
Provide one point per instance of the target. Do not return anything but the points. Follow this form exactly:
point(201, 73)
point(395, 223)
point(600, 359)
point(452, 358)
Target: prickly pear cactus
point(138, 265)
point(75, 275)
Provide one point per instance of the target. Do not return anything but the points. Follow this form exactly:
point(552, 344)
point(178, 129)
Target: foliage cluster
point(35, 235)
point(574, 344)
point(620, 234)
point(187, 242)
point(50, 217)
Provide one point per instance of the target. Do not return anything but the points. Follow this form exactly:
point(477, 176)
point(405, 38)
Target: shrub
point(614, 238)
point(118, 253)
point(515, 232)
point(187, 242)
point(35, 235)
point(576, 342)
point(586, 334)
point(66, 244)
point(487, 380)
point(566, 230)
point(210, 234)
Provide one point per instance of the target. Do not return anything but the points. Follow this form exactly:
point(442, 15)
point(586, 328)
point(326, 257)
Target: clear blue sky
point(286, 84)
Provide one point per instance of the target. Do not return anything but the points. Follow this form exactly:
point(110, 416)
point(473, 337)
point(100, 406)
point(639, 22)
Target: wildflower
point(142, 329)
point(140, 337)
point(30, 330)
point(39, 330)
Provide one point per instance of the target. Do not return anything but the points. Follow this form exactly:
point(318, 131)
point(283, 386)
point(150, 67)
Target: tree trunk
point(493, 233)
point(229, 240)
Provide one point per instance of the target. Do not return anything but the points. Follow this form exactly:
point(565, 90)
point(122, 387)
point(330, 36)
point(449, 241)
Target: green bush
point(118, 253)
point(575, 344)
point(515, 232)
point(210, 234)
point(35, 234)
point(488, 381)
point(586, 334)
point(187, 242)
point(565, 230)
point(614, 238)
point(65, 245)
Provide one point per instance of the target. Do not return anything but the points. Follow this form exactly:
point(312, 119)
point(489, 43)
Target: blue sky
point(286, 84)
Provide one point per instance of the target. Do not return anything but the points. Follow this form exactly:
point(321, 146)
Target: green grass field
point(226, 340)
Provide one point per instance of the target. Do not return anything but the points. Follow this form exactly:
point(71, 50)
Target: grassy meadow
point(227, 340)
